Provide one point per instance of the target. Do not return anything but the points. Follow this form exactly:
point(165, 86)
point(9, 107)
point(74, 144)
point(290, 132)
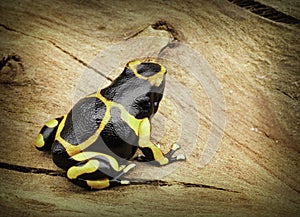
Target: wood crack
point(288, 94)
point(33, 170)
point(158, 25)
point(184, 184)
point(134, 34)
point(175, 35)
point(243, 146)
point(24, 169)
point(164, 25)
point(60, 48)
point(266, 11)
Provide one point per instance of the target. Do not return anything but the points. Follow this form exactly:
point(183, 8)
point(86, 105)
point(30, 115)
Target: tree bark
point(49, 51)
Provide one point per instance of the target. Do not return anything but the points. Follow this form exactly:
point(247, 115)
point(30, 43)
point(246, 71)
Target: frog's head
point(140, 87)
point(152, 72)
point(151, 78)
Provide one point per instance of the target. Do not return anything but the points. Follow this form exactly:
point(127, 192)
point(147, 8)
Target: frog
point(97, 141)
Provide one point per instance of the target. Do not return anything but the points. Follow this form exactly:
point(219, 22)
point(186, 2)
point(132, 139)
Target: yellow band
point(154, 80)
point(40, 141)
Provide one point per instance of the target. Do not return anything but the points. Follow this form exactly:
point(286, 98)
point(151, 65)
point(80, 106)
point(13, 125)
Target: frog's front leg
point(151, 151)
point(97, 171)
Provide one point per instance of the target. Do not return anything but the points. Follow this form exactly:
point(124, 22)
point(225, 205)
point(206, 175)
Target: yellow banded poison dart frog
point(95, 140)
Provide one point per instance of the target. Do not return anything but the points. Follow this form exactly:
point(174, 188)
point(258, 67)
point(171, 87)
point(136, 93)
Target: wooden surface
point(256, 61)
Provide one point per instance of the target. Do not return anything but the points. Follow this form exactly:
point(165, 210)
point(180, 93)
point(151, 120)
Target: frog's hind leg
point(46, 136)
point(97, 171)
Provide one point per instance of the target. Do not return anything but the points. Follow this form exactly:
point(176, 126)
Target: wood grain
point(256, 61)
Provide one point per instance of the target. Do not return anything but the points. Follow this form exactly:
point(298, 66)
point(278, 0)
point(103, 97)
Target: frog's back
point(91, 117)
point(83, 120)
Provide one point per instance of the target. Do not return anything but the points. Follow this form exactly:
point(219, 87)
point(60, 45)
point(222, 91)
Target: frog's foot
point(167, 157)
point(142, 158)
point(116, 182)
point(123, 170)
point(99, 183)
point(174, 148)
point(97, 171)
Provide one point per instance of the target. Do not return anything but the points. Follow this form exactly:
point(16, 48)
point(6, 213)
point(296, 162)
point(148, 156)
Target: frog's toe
point(124, 182)
point(123, 170)
point(129, 167)
point(180, 157)
point(174, 148)
point(122, 167)
point(98, 184)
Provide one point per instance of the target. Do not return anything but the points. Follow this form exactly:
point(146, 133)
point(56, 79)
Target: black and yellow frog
point(95, 140)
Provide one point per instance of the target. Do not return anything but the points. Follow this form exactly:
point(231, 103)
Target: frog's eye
point(148, 69)
point(156, 104)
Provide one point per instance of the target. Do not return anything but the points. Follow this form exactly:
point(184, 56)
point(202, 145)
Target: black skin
point(138, 97)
